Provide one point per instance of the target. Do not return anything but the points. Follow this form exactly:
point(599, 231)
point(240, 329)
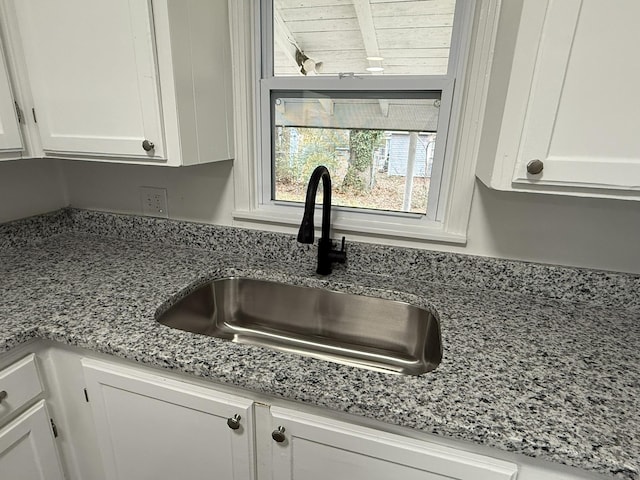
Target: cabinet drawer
point(19, 384)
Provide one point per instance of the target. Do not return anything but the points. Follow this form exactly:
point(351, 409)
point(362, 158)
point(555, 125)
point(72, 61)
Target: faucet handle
point(339, 256)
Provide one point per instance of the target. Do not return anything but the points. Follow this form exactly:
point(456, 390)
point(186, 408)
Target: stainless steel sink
point(356, 330)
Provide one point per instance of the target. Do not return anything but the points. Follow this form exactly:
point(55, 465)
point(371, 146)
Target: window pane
point(379, 150)
point(394, 37)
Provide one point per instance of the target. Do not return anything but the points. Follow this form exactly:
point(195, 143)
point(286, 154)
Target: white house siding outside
point(398, 152)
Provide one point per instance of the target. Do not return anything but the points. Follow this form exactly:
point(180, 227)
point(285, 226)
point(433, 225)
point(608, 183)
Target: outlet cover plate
point(154, 202)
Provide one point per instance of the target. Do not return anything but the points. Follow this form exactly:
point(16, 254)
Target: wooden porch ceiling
point(411, 36)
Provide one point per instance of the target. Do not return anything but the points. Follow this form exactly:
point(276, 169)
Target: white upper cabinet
point(127, 80)
point(10, 139)
point(93, 76)
point(572, 106)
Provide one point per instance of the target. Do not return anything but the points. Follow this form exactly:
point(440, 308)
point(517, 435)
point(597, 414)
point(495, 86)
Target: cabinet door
point(27, 447)
point(151, 427)
point(92, 72)
point(10, 139)
point(584, 105)
point(317, 448)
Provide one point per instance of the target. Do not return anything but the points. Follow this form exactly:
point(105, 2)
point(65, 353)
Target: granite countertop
point(554, 378)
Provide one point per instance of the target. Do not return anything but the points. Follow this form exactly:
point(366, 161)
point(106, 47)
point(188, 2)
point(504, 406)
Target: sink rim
point(429, 348)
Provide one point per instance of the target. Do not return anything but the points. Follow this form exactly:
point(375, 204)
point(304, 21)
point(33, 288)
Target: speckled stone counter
point(549, 368)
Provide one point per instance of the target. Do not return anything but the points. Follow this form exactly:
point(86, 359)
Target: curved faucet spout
point(326, 254)
point(305, 234)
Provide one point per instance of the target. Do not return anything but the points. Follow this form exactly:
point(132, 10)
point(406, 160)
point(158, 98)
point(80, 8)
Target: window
point(379, 147)
point(373, 90)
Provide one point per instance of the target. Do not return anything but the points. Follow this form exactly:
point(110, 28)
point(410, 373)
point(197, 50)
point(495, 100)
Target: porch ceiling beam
point(283, 38)
point(370, 40)
point(367, 28)
point(327, 105)
point(287, 42)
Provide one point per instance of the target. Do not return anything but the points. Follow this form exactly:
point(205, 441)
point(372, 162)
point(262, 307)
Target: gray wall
point(200, 193)
point(575, 231)
point(554, 229)
point(30, 187)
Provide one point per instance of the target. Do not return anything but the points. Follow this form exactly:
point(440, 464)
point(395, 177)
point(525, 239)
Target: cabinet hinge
point(86, 395)
point(19, 113)
point(54, 428)
point(35, 119)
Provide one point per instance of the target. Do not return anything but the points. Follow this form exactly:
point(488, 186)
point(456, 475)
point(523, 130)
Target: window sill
point(366, 230)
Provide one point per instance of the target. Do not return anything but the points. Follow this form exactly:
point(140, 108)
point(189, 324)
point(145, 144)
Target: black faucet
point(326, 254)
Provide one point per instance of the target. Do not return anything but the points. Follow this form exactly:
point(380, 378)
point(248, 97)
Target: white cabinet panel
point(10, 139)
point(131, 81)
point(27, 448)
point(150, 424)
point(319, 448)
point(150, 427)
point(19, 385)
point(572, 101)
point(93, 77)
point(584, 107)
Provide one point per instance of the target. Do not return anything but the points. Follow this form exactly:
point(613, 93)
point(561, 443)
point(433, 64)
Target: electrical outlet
point(154, 202)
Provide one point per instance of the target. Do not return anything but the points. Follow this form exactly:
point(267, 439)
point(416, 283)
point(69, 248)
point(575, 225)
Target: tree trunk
point(361, 146)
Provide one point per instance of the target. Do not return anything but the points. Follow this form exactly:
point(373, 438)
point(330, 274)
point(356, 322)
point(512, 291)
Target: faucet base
point(327, 256)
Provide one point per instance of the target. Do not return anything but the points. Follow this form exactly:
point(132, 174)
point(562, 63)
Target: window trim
point(465, 126)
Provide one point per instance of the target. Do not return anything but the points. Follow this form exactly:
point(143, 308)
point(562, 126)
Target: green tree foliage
point(300, 150)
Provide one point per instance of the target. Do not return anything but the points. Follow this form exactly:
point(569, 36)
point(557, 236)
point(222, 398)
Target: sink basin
point(351, 329)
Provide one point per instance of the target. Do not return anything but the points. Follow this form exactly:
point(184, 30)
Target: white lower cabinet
point(310, 447)
point(150, 427)
point(120, 421)
point(27, 445)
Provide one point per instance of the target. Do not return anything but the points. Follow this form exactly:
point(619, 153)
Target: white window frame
point(448, 222)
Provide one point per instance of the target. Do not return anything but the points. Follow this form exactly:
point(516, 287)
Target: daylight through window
point(379, 150)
